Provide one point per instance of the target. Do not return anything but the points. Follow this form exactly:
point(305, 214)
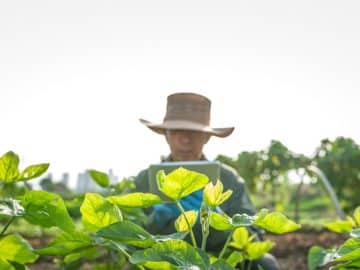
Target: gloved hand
point(164, 213)
point(192, 201)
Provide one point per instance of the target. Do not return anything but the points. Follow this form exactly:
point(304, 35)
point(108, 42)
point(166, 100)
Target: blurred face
point(186, 145)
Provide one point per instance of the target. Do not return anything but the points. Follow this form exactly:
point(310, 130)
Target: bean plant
point(347, 255)
point(109, 238)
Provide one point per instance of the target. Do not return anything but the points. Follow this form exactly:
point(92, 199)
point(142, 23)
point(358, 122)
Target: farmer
point(187, 129)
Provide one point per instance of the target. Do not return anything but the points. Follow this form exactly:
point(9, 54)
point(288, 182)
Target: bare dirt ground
point(290, 250)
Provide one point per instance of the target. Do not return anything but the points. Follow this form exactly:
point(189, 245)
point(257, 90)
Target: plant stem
point(204, 220)
point(249, 265)
point(126, 254)
point(7, 225)
point(188, 223)
point(226, 244)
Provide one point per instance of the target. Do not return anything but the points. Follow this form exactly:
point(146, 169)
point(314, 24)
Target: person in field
point(186, 129)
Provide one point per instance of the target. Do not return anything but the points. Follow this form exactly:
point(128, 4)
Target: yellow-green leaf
point(181, 224)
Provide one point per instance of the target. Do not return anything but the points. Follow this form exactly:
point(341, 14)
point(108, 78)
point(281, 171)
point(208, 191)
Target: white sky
point(75, 76)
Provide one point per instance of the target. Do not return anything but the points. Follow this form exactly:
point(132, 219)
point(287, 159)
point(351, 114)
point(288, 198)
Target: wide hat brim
point(187, 125)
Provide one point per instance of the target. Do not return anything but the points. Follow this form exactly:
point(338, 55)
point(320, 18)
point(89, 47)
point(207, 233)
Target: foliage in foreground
point(346, 256)
point(111, 238)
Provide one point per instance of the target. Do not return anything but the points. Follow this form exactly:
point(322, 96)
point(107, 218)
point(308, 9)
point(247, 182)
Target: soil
point(290, 250)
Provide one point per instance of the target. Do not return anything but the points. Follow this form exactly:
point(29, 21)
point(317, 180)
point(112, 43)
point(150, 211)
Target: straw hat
point(188, 111)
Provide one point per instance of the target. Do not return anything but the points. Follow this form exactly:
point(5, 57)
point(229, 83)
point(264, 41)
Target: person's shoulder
point(229, 173)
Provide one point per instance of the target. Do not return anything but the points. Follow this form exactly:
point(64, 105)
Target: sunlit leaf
point(46, 209)
point(220, 222)
point(15, 248)
point(33, 171)
point(213, 194)
point(98, 213)
point(181, 224)
point(340, 226)
point(276, 222)
point(101, 178)
point(136, 199)
point(180, 182)
point(256, 250)
point(9, 163)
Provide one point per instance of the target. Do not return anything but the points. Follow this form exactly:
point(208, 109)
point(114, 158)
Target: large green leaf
point(276, 222)
point(33, 171)
point(15, 248)
point(66, 243)
point(127, 232)
point(340, 226)
point(173, 236)
point(136, 199)
point(98, 213)
point(176, 252)
point(350, 250)
point(318, 256)
point(11, 207)
point(235, 258)
point(220, 222)
point(9, 163)
point(180, 182)
point(46, 209)
point(101, 178)
point(256, 250)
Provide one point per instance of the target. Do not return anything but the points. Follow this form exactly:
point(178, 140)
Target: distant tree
point(340, 161)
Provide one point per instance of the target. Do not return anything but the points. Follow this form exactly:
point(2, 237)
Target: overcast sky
point(75, 76)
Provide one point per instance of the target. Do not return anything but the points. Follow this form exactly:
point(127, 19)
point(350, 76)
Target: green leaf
point(350, 250)
point(160, 265)
point(4, 265)
point(98, 213)
point(136, 199)
point(357, 215)
point(33, 171)
point(46, 209)
point(9, 163)
point(173, 236)
point(180, 182)
point(128, 233)
point(181, 224)
point(176, 252)
point(102, 179)
point(256, 250)
point(15, 248)
point(235, 257)
point(242, 220)
point(88, 254)
point(65, 243)
point(276, 222)
point(318, 257)
point(220, 222)
point(241, 238)
point(221, 265)
point(11, 207)
point(340, 226)
point(213, 194)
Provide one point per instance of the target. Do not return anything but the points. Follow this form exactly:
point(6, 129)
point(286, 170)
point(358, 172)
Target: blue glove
point(164, 213)
point(192, 201)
